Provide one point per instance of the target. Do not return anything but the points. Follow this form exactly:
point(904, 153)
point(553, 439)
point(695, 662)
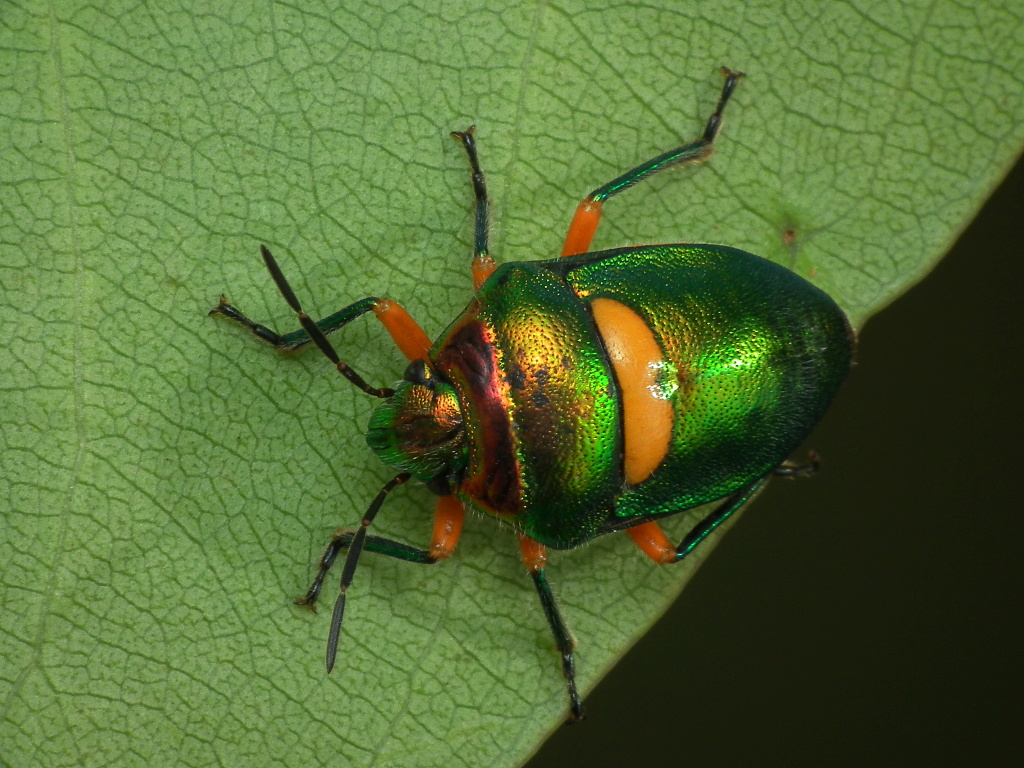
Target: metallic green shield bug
point(591, 393)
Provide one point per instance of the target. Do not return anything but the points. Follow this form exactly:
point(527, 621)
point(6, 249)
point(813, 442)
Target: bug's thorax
point(419, 429)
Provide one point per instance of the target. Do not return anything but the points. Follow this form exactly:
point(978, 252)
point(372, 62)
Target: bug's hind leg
point(655, 544)
point(588, 213)
point(791, 469)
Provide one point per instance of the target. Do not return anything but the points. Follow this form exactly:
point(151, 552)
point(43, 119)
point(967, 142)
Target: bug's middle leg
point(588, 213)
point(483, 262)
point(534, 558)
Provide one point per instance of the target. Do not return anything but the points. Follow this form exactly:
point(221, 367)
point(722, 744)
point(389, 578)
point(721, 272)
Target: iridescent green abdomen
point(752, 354)
point(758, 354)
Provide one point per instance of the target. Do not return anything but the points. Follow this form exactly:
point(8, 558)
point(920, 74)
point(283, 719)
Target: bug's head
point(419, 429)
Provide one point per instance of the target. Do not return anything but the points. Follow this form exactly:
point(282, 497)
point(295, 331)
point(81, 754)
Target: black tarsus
point(694, 152)
point(790, 469)
point(564, 641)
point(468, 142)
point(355, 548)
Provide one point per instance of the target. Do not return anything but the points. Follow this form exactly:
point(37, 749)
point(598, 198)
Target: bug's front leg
point(407, 334)
point(296, 340)
point(448, 518)
point(449, 515)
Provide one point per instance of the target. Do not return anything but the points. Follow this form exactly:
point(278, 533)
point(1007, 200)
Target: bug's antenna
point(351, 560)
point(314, 331)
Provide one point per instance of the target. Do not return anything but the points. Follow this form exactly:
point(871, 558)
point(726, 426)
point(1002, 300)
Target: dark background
point(871, 615)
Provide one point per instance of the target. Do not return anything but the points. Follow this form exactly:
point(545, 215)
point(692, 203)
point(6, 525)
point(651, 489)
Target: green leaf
point(168, 484)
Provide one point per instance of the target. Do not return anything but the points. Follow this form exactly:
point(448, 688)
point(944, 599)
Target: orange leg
point(588, 214)
point(582, 229)
point(483, 267)
point(534, 554)
point(408, 336)
point(449, 515)
point(653, 542)
point(448, 518)
point(483, 263)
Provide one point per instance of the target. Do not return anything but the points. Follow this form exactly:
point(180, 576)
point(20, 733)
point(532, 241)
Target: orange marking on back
point(582, 229)
point(639, 364)
point(409, 337)
point(653, 542)
point(448, 517)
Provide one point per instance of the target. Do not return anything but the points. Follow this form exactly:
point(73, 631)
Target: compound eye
point(418, 373)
